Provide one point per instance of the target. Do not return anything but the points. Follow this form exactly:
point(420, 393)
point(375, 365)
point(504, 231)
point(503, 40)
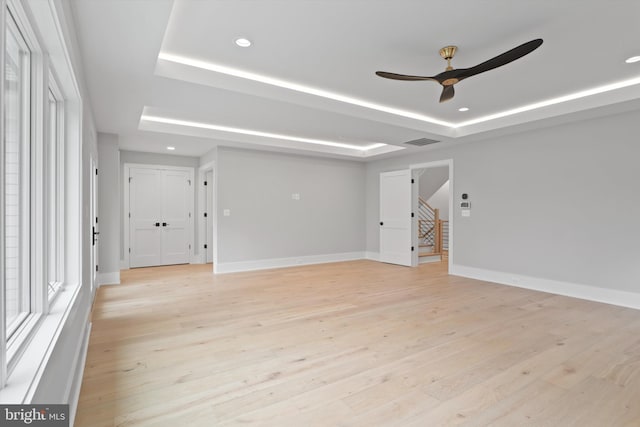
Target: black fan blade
point(500, 60)
point(447, 93)
point(395, 76)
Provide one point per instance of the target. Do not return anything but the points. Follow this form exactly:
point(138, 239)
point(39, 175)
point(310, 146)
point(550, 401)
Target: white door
point(209, 218)
point(159, 204)
point(395, 217)
point(176, 187)
point(145, 205)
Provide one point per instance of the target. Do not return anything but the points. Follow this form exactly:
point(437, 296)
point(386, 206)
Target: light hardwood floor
point(353, 344)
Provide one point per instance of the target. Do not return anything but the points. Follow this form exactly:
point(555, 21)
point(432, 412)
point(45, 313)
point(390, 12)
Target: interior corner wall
point(267, 223)
point(431, 180)
point(541, 202)
point(209, 157)
point(109, 209)
point(164, 160)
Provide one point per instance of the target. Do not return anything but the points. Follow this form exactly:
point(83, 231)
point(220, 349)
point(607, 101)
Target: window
point(54, 190)
point(17, 188)
point(41, 131)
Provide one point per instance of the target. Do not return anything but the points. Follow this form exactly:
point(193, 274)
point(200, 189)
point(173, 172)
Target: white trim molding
point(575, 290)
point(72, 394)
point(264, 264)
point(373, 256)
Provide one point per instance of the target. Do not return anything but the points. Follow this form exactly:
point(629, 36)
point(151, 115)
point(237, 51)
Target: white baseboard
point(373, 256)
point(234, 267)
point(586, 292)
point(112, 278)
point(124, 265)
point(73, 394)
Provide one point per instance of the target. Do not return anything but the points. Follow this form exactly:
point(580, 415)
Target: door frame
point(202, 173)
point(414, 207)
point(125, 205)
point(94, 281)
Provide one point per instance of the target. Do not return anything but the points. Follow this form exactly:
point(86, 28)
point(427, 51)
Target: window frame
point(55, 144)
point(25, 225)
point(15, 342)
point(24, 360)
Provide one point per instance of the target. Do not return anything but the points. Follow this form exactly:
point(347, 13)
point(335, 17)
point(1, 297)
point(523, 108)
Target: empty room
point(322, 213)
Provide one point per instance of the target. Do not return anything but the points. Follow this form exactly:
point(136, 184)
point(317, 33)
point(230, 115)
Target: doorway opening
point(432, 203)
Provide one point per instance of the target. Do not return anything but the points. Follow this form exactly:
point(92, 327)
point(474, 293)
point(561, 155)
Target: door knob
point(164, 224)
point(157, 224)
point(381, 223)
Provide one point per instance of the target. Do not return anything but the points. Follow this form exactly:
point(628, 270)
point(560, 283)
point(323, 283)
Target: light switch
point(226, 212)
point(466, 212)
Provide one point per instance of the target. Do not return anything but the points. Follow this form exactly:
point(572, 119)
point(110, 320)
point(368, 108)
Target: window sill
point(25, 376)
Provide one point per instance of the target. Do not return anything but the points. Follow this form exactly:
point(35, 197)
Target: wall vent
point(421, 142)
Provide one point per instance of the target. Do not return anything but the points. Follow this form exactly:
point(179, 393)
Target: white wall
point(431, 180)
point(267, 224)
point(109, 209)
point(209, 157)
point(540, 202)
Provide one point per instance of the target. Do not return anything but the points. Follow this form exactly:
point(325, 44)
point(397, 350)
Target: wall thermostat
point(465, 196)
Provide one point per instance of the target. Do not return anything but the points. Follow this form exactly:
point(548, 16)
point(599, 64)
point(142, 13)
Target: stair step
point(429, 254)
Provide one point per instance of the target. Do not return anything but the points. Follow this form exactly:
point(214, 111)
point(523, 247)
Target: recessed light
point(242, 42)
point(632, 59)
point(171, 148)
point(463, 109)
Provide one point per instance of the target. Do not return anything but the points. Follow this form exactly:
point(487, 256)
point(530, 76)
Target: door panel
point(146, 210)
point(395, 217)
point(175, 214)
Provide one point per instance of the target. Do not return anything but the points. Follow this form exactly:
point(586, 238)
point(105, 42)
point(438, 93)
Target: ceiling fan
point(451, 76)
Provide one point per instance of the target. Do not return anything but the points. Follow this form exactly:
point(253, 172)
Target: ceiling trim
point(452, 129)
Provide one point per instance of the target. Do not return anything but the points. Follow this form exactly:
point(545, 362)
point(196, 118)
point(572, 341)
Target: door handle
point(381, 223)
point(157, 224)
point(164, 224)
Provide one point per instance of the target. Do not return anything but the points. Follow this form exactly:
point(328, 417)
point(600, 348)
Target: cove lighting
point(210, 126)
point(463, 109)
point(553, 101)
point(632, 59)
point(171, 148)
point(242, 42)
point(297, 87)
point(386, 109)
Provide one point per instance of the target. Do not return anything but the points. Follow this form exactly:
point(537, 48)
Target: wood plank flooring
point(353, 344)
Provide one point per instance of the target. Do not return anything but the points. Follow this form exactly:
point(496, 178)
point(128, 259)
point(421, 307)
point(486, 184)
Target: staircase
point(433, 233)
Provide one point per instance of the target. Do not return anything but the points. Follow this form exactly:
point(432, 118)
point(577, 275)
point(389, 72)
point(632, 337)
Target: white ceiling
point(334, 47)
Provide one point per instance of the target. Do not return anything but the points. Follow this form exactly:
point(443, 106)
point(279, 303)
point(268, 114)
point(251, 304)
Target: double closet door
point(160, 203)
